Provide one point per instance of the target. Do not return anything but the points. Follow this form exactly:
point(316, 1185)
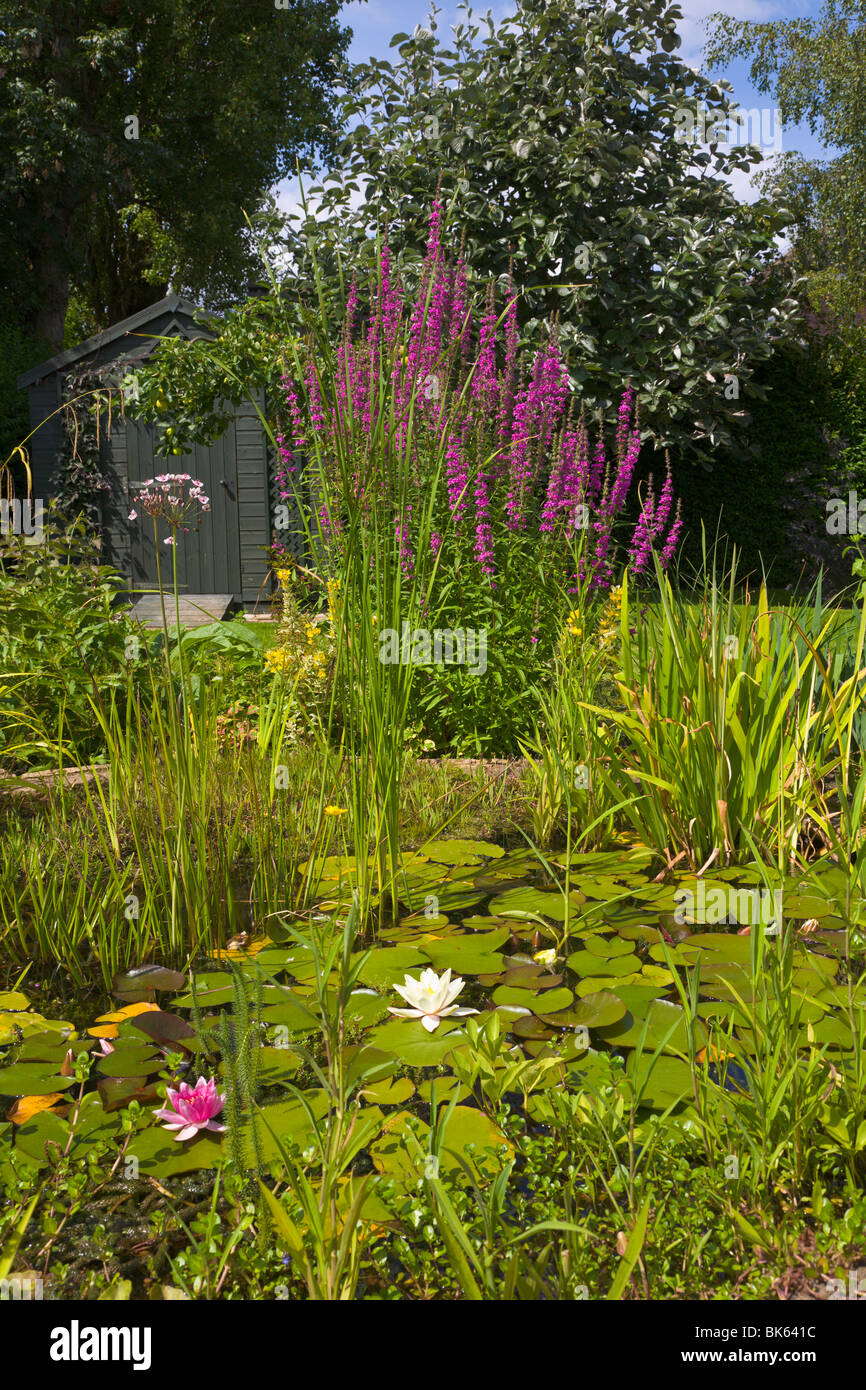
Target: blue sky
point(374, 22)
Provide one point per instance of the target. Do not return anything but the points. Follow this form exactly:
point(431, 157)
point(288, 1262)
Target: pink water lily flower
point(432, 999)
point(193, 1109)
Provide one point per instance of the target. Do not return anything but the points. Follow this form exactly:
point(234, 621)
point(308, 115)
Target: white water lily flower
point(431, 999)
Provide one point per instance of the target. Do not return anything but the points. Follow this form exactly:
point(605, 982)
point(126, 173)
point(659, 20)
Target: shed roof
point(172, 304)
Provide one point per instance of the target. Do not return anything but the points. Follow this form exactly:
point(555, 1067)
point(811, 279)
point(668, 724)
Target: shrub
point(61, 641)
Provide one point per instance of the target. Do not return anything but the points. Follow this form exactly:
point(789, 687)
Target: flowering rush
point(191, 1109)
point(171, 497)
point(431, 999)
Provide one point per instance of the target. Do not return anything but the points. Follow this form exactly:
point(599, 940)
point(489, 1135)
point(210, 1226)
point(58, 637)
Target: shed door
point(209, 554)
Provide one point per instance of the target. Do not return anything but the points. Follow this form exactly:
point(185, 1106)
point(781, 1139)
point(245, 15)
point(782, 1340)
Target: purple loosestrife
point(663, 510)
point(556, 489)
point(483, 529)
point(390, 302)
point(456, 476)
point(554, 393)
point(485, 387)
point(623, 421)
point(642, 540)
point(597, 477)
point(528, 411)
point(510, 370)
point(407, 557)
point(671, 544)
point(459, 305)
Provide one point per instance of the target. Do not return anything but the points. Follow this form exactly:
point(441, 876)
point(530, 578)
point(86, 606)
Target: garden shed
point(226, 555)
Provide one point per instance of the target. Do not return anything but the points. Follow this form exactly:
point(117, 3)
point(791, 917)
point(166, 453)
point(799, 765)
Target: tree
point(815, 69)
point(559, 136)
point(134, 136)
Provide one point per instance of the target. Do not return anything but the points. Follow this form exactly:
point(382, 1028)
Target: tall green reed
point(729, 721)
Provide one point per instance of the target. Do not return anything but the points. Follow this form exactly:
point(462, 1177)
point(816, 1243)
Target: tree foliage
point(134, 136)
point(815, 69)
point(555, 137)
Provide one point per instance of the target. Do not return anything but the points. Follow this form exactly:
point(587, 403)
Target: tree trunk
point(50, 316)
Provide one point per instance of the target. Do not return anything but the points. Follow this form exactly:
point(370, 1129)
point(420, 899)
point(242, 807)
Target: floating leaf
point(460, 851)
point(32, 1079)
point(27, 1106)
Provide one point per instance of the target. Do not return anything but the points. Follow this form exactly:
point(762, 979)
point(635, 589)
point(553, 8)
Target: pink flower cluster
point(504, 428)
point(172, 497)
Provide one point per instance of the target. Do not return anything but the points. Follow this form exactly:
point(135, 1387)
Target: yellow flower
point(545, 957)
point(277, 659)
point(335, 810)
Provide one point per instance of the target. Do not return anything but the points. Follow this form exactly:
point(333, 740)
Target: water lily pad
point(161, 1156)
point(598, 1010)
point(659, 1081)
point(394, 1155)
point(549, 1002)
point(166, 1029)
point(607, 946)
point(409, 1041)
point(43, 1138)
point(460, 851)
point(466, 1127)
point(641, 932)
point(14, 1001)
point(391, 1091)
point(529, 1027)
point(528, 977)
point(535, 901)
point(130, 1058)
point(116, 1092)
point(32, 1079)
point(387, 965)
point(588, 963)
point(591, 984)
point(656, 975)
point(443, 1088)
point(363, 1009)
point(290, 1013)
point(665, 1024)
point(144, 979)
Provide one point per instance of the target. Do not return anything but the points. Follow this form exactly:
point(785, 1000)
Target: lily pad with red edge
point(167, 1030)
point(133, 986)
